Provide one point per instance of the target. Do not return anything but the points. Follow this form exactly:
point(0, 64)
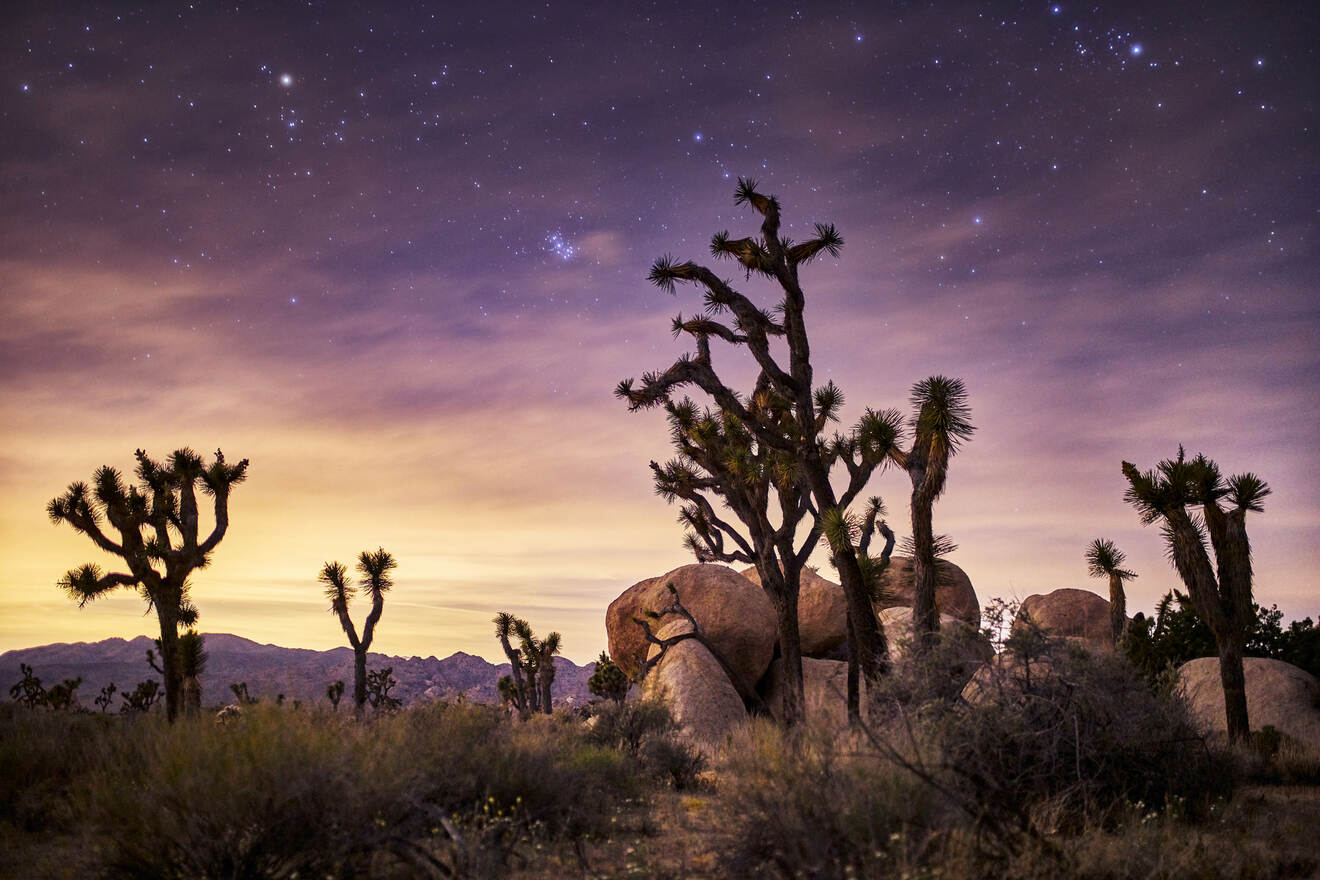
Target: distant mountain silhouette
point(298, 673)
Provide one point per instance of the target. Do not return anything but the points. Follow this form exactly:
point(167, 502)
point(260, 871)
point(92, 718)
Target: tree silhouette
point(940, 423)
point(375, 570)
point(335, 693)
point(1105, 560)
point(528, 686)
point(1221, 593)
point(157, 520)
point(785, 412)
point(515, 691)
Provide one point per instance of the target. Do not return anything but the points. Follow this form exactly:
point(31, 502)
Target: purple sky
point(395, 255)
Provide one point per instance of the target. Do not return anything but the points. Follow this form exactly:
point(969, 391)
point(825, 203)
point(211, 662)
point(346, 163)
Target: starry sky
point(395, 254)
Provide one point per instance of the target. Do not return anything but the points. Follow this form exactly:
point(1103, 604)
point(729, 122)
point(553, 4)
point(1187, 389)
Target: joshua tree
point(107, 694)
point(28, 690)
point(1104, 559)
point(719, 458)
point(241, 694)
point(940, 423)
point(375, 569)
point(335, 693)
point(379, 684)
point(1220, 593)
point(141, 698)
point(785, 414)
point(608, 682)
point(157, 521)
point(529, 683)
point(516, 690)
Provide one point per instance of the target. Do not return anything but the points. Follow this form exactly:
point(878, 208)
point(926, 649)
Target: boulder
point(953, 591)
point(1072, 614)
point(1279, 695)
point(705, 704)
point(825, 689)
point(734, 614)
point(967, 647)
point(822, 613)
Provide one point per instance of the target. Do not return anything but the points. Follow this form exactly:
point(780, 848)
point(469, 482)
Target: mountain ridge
point(300, 674)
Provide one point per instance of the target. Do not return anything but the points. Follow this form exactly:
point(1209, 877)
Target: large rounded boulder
point(1072, 614)
point(704, 703)
point(1279, 695)
point(734, 614)
point(822, 613)
point(954, 595)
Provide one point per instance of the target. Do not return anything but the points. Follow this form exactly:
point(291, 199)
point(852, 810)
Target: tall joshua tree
point(375, 570)
point(531, 679)
point(1104, 559)
point(158, 521)
point(785, 413)
point(1220, 593)
point(517, 689)
point(940, 423)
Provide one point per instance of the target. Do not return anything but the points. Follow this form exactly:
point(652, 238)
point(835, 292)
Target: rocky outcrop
point(704, 703)
point(822, 613)
point(1072, 614)
point(954, 595)
point(1279, 695)
point(734, 615)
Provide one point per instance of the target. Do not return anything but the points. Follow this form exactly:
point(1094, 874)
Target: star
point(286, 79)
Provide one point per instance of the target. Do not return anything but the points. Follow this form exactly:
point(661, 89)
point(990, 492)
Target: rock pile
point(737, 618)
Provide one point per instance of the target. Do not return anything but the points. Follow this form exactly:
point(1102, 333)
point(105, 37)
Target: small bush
point(645, 730)
point(812, 805)
point(1059, 742)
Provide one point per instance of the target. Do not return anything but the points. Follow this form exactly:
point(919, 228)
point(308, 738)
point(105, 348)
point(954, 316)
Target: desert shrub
point(1049, 743)
point(813, 805)
point(41, 755)
point(1061, 741)
point(277, 794)
point(444, 790)
point(626, 725)
point(645, 731)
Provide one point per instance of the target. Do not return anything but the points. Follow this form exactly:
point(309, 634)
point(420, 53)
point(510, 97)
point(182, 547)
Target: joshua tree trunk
point(1235, 686)
point(1117, 608)
point(547, 681)
point(785, 600)
point(359, 677)
point(925, 616)
point(169, 663)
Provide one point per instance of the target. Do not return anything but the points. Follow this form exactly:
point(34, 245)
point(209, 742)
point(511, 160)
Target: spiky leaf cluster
point(1104, 559)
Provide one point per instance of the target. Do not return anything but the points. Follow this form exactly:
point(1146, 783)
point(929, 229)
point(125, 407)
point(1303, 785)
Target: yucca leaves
point(1103, 559)
point(1247, 491)
point(941, 412)
point(338, 589)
